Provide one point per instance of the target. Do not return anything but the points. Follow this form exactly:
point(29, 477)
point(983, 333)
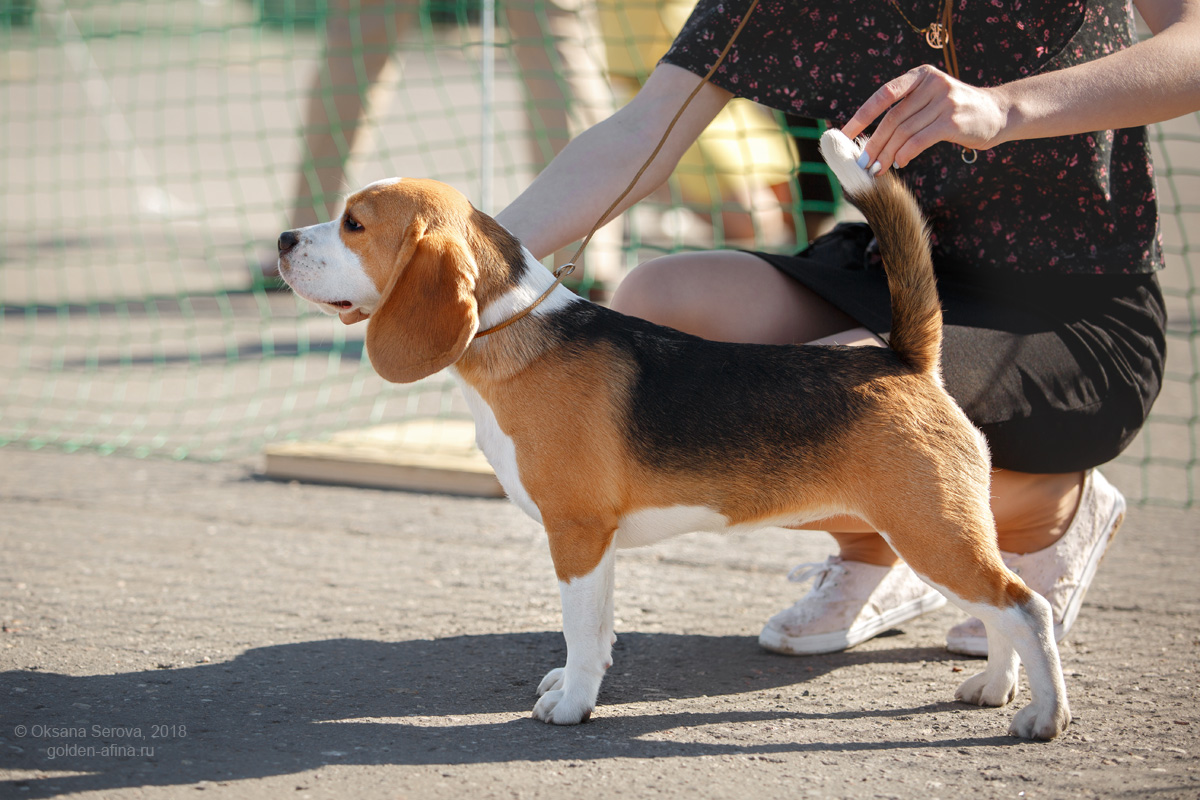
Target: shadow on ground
point(291, 708)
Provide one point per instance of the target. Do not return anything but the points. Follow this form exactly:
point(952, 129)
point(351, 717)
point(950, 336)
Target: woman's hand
point(1154, 80)
point(925, 106)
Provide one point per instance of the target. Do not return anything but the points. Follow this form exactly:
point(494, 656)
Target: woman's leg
point(359, 38)
point(728, 296)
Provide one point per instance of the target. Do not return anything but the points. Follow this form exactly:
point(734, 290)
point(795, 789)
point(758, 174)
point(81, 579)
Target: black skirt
point(1058, 371)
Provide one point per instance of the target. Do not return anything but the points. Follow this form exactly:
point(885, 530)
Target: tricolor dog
point(613, 432)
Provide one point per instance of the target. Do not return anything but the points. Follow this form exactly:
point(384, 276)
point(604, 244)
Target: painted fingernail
point(863, 160)
point(876, 168)
point(895, 165)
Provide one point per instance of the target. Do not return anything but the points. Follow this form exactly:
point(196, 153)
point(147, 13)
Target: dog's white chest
point(499, 450)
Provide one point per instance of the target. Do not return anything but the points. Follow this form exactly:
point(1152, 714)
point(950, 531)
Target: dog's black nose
point(287, 240)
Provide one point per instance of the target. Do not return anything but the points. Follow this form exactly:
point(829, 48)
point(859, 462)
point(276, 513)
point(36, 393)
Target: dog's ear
point(428, 314)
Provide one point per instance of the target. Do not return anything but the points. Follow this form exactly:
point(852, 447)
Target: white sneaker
point(849, 603)
point(1063, 571)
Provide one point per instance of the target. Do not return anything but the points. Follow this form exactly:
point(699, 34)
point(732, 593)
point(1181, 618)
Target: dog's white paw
point(986, 689)
point(560, 707)
point(1043, 721)
point(552, 681)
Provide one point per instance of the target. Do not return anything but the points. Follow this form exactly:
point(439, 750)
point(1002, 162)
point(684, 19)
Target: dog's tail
point(903, 239)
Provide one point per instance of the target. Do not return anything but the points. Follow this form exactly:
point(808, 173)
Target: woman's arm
point(567, 198)
point(1154, 80)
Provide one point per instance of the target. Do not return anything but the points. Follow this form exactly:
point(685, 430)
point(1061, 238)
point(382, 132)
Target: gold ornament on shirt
point(940, 36)
point(937, 34)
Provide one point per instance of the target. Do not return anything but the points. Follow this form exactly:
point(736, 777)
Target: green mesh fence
point(151, 152)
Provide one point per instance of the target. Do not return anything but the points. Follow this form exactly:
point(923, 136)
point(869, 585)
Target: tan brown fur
point(916, 313)
point(398, 221)
point(581, 491)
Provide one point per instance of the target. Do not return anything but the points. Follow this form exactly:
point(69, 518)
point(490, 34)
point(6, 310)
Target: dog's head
point(397, 255)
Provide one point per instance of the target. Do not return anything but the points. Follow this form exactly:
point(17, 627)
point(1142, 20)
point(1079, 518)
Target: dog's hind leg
point(997, 684)
point(1024, 627)
point(954, 549)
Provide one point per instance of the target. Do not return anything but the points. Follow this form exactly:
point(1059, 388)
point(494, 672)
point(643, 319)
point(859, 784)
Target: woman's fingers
point(919, 109)
point(911, 127)
point(884, 98)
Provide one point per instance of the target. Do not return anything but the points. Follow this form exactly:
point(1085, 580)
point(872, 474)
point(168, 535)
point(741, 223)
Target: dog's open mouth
point(345, 305)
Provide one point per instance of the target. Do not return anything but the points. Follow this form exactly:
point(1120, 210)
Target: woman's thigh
point(731, 296)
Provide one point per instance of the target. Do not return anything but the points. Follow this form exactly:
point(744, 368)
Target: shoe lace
point(818, 571)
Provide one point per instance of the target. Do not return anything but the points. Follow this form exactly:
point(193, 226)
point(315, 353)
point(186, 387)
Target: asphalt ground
point(174, 627)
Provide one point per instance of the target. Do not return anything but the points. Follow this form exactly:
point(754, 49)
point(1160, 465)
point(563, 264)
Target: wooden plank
point(432, 455)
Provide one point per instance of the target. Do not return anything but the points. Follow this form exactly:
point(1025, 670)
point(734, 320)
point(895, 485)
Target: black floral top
point(1069, 204)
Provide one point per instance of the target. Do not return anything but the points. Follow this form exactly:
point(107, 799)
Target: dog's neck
point(530, 281)
point(504, 290)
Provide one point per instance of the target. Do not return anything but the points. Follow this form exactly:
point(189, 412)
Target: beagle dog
point(614, 432)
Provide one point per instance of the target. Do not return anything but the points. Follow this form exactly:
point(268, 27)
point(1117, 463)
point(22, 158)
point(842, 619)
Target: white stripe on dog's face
point(321, 269)
point(379, 184)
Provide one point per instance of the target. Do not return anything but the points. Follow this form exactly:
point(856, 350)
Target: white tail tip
point(842, 154)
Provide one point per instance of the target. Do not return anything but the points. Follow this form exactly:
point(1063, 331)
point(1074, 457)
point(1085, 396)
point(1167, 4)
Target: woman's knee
point(651, 292)
point(727, 296)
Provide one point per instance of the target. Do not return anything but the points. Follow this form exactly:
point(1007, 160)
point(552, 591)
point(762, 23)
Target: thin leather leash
point(566, 269)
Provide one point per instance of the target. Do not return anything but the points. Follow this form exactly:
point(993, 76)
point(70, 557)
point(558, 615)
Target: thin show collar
point(560, 274)
point(566, 269)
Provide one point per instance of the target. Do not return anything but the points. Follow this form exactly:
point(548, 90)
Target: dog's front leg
point(568, 694)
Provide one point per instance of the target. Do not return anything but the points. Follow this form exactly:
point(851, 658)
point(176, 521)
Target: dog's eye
point(351, 224)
